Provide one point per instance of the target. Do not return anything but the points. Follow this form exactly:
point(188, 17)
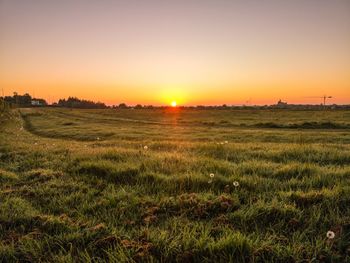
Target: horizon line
point(134, 104)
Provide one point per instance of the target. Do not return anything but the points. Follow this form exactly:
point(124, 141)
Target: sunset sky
point(189, 51)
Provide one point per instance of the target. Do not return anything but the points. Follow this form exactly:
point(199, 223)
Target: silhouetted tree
point(122, 106)
point(73, 102)
point(138, 106)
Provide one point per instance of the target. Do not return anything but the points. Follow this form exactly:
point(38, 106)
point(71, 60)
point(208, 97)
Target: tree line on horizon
point(73, 102)
point(26, 100)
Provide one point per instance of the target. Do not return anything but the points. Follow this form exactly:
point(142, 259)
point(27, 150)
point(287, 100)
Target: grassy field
point(174, 185)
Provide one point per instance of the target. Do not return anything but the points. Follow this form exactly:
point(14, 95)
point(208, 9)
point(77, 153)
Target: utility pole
point(324, 99)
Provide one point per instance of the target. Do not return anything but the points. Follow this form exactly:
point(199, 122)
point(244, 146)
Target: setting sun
point(173, 104)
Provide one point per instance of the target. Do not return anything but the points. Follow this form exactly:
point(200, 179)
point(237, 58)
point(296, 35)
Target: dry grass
point(80, 186)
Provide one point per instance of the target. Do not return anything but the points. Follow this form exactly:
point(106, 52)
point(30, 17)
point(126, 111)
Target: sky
point(189, 51)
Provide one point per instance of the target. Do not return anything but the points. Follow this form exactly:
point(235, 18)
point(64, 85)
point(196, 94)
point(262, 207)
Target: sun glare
point(173, 104)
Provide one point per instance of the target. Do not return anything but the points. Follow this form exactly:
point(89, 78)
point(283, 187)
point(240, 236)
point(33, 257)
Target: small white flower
point(235, 184)
point(226, 142)
point(35, 143)
point(330, 235)
point(145, 147)
point(221, 143)
point(211, 175)
point(98, 138)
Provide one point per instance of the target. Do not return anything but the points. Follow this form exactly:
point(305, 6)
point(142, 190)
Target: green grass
point(79, 186)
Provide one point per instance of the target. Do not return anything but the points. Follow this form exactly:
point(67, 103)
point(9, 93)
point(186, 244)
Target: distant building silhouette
point(281, 104)
point(38, 102)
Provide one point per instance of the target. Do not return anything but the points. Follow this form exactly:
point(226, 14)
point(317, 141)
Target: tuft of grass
point(6, 176)
point(108, 171)
point(262, 215)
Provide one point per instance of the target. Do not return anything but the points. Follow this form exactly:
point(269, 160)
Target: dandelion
point(145, 147)
point(211, 175)
point(330, 235)
point(235, 184)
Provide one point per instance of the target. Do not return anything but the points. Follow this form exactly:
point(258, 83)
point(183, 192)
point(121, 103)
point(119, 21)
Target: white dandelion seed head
point(211, 175)
point(235, 184)
point(330, 235)
point(145, 147)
